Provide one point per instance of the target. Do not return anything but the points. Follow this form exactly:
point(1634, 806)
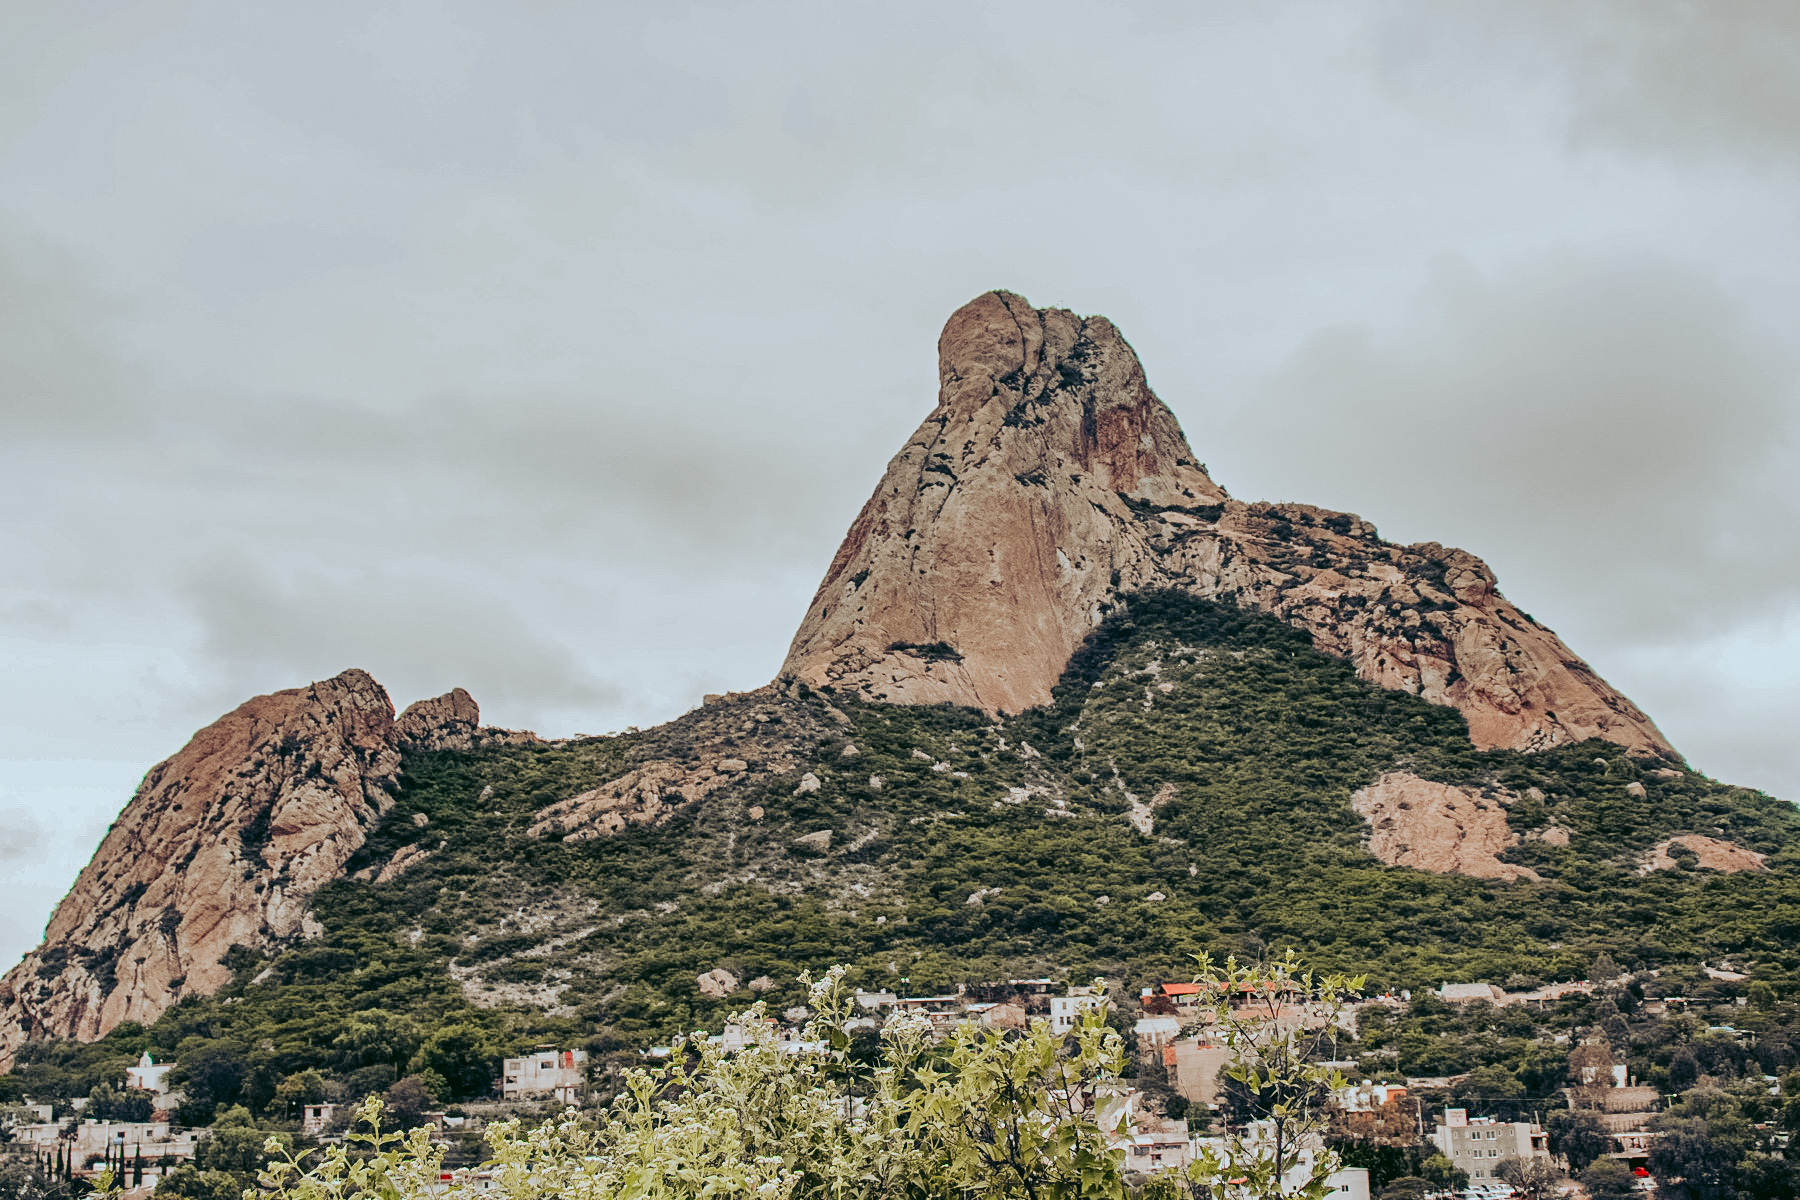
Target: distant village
point(1160, 1117)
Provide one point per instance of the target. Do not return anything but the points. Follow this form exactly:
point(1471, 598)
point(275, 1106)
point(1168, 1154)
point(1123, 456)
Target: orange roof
point(1181, 989)
point(1168, 1056)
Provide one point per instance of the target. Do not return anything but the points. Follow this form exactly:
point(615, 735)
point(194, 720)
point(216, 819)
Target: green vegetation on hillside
point(964, 850)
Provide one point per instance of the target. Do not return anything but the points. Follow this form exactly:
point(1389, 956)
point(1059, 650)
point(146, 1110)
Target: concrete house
point(1479, 1145)
point(545, 1072)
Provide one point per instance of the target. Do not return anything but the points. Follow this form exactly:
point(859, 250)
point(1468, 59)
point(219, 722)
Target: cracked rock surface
point(1049, 481)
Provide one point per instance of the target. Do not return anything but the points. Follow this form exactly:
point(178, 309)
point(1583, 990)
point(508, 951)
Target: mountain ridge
point(1047, 497)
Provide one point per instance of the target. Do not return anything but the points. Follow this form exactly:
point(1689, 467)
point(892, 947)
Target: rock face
point(1711, 854)
point(224, 844)
point(1429, 826)
point(447, 722)
point(1049, 481)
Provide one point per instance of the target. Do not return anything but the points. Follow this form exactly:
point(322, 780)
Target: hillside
point(985, 851)
point(1061, 706)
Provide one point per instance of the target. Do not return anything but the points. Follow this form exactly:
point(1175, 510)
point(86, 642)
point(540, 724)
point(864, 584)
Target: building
point(1198, 1063)
point(148, 1074)
point(1479, 1145)
point(1064, 1010)
point(316, 1118)
point(1153, 1033)
point(545, 1072)
point(1172, 1000)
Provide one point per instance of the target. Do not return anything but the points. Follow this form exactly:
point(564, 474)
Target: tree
point(1578, 1136)
point(1765, 1177)
point(462, 1056)
point(210, 1076)
point(300, 1089)
point(1532, 1178)
point(373, 1037)
point(1277, 1019)
point(1684, 1070)
point(1407, 1187)
point(235, 1144)
point(1492, 1091)
point(1445, 1174)
point(407, 1102)
point(1609, 1179)
point(108, 1103)
point(1696, 1158)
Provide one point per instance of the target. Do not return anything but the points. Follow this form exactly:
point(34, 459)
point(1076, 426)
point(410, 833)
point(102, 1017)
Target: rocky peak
point(223, 844)
point(1049, 483)
point(447, 722)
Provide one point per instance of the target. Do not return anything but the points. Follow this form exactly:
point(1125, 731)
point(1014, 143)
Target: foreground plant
point(987, 1115)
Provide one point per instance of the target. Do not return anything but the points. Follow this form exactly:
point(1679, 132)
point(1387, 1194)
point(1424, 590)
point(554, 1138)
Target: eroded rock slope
point(1049, 480)
point(223, 844)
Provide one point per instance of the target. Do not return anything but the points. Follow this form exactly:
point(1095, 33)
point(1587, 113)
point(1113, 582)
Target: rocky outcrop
point(223, 845)
point(1050, 481)
point(1428, 826)
point(451, 721)
point(1710, 854)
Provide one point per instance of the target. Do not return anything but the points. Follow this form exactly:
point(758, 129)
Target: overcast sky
point(548, 349)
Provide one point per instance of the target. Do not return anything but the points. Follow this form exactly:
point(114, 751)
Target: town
point(1471, 1132)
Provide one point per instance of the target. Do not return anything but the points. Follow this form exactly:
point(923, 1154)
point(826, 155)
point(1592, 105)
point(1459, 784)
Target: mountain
point(1050, 481)
point(1060, 705)
point(224, 844)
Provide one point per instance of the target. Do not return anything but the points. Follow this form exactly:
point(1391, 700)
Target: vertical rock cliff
point(224, 844)
point(1049, 481)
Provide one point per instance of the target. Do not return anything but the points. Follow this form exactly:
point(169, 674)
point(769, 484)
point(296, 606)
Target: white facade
point(547, 1071)
point(1479, 1145)
point(148, 1074)
point(1064, 1010)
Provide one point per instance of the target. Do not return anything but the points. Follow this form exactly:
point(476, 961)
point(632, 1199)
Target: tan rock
point(1414, 822)
point(650, 795)
point(224, 844)
point(1715, 854)
point(1049, 481)
point(717, 983)
point(447, 722)
point(818, 842)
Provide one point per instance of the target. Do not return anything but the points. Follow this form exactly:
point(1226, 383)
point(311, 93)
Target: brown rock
point(1414, 822)
point(717, 983)
point(447, 722)
point(1049, 481)
point(1714, 854)
point(223, 844)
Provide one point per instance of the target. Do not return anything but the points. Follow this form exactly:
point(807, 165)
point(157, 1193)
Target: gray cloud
point(1717, 80)
point(1612, 424)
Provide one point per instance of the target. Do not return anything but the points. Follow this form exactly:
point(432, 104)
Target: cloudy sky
point(547, 348)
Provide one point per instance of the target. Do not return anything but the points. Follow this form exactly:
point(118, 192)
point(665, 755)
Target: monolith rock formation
point(223, 845)
point(1049, 503)
point(1050, 481)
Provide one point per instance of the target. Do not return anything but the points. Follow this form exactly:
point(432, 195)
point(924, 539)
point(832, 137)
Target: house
point(1198, 1063)
point(1466, 993)
point(545, 1072)
point(316, 1118)
point(1479, 1145)
point(1064, 1010)
point(148, 1074)
point(1172, 1000)
point(1153, 1033)
point(1384, 1114)
point(1345, 1183)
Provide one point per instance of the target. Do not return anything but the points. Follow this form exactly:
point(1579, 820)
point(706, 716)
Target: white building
point(547, 1071)
point(1479, 1145)
point(1064, 1010)
point(148, 1074)
point(1345, 1183)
